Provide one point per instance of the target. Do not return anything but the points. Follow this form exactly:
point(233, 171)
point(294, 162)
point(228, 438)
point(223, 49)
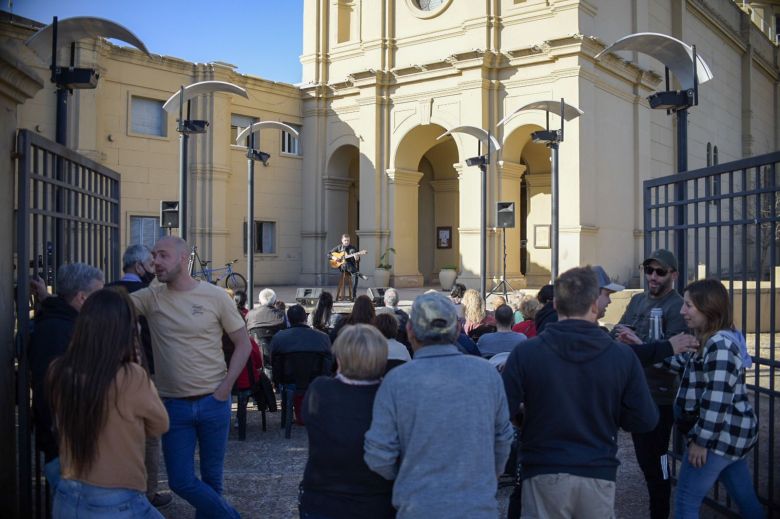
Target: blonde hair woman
point(337, 412)
point(474, 311)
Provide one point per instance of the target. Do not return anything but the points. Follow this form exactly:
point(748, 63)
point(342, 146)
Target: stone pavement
point(262, 475)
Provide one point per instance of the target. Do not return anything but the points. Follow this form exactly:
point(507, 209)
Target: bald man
point(186, 319)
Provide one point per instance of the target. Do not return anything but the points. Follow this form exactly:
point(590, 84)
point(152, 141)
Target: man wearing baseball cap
point(440, 424)
point(606, 288)
point(660, 269)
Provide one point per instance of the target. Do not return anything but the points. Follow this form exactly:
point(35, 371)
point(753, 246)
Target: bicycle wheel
point(235, 282)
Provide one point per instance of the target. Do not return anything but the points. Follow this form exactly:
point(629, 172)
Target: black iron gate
point(731, 231)
point(67, 210)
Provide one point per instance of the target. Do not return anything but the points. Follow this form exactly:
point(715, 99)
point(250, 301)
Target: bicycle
point(232, 280)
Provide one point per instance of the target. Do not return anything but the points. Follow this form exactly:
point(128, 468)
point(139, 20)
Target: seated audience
point(264, 321)
point(546, 313)
point(387, 325)
point(362, 313)
point(515, 301)
point(300, 338)
point(529, 307)
point(323, 318)
point(474, 311)
point(336, 482)
point(104, 405)
point(456, 296)
point(391, 307)
point(503, 340)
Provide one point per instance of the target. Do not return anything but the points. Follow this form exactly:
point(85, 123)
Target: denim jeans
point(693, 484)
point(76, 500)
point(52, 472)
point(205, 421)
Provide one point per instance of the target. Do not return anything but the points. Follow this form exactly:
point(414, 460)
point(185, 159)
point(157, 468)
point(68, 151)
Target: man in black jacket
point(53, 329)
point(568, 443)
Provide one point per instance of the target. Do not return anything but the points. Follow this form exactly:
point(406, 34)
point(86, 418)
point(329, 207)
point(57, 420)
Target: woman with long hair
point(337, 483)
point(104, 405)
point(320, 319)
point(711, 407)
point(474, 311)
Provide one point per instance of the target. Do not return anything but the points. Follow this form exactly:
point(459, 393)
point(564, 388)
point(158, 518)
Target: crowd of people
point(407, 414)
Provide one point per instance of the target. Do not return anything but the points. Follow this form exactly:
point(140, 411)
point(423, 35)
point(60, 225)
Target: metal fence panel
point(730, 228)
point(67, 211)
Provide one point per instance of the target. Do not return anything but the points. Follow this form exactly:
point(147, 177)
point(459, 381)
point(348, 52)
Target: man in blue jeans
point(187, 319)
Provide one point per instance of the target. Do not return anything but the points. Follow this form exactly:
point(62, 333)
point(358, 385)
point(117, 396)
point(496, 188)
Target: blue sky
point(261, 37)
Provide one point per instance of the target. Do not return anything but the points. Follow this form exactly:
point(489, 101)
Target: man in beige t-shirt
point(186, 319)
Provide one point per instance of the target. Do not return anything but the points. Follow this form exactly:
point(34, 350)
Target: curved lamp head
point(569, 112)
point(483, 136)
point(265, 125)
point(676, 55)
point(200, 88)
point(78, 28)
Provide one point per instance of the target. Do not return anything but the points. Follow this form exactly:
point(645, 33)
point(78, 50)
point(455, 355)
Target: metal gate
point(730, 230)
point(67, 210)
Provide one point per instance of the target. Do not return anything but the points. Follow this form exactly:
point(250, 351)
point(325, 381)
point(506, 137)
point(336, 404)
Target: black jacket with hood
point(577, 386)
point(51, 335)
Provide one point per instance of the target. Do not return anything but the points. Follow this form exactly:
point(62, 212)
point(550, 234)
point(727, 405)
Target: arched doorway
point(535, 203)
point(342, 185)
point(425, 205)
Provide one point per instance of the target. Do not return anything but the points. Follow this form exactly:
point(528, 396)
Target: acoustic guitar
point(337, 259)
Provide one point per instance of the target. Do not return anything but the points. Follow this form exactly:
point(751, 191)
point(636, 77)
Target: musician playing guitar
point(346, 258)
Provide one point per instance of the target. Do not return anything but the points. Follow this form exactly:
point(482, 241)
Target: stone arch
point(424, 196)
point(535, 199)
point(342, 183)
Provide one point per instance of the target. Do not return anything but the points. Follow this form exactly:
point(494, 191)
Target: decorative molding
point(337, 183)
point(406, 177)
point(511, 170)
point(426, 110)
point(313, 235)
point(373, 233)
point(580, 229)
point(18, 80)
point(446, 186)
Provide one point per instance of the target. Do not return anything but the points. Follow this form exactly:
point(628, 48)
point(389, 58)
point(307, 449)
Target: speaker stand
point(503, 285)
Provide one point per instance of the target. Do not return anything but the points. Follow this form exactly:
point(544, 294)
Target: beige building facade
point(382, 80)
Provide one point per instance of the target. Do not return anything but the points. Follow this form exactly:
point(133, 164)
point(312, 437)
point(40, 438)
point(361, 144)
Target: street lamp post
point(690, 70)
point(252, 155)
point(188, 126)
point(552, 139)
point(483, 161)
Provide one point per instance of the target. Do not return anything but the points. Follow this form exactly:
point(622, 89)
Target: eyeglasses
point(658, 270)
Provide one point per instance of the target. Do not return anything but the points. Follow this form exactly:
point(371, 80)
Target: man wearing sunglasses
point(660, 270)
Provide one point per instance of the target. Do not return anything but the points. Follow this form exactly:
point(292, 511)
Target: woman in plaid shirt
point(713, 401)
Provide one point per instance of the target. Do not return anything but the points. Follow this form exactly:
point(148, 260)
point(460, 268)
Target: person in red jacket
point(529, 307)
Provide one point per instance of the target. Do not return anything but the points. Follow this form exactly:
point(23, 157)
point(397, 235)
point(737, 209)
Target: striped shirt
point(713, 386)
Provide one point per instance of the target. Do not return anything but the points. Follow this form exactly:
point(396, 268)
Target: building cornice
point(18, 80)
point(405, 177)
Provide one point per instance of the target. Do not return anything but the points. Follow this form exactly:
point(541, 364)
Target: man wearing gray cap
point(660, 269)
point(440, 424)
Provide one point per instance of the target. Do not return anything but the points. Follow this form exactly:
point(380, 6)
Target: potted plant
point(447, 276)
point(382, 273)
